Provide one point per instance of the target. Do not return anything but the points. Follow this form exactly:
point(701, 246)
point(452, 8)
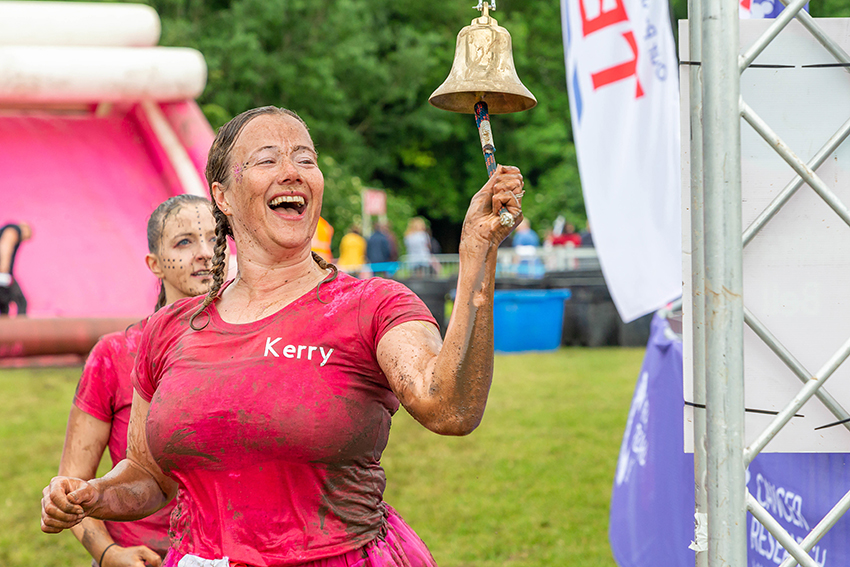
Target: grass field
point(529, 488)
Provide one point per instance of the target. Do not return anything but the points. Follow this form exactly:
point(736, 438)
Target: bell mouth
point(483, 70)
point(497, 102)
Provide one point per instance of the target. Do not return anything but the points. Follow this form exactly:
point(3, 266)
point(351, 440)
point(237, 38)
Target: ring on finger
point(506, 218)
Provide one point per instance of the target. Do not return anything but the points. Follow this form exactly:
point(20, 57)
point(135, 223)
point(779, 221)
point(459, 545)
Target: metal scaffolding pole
point(697, 278)
point(724, 318)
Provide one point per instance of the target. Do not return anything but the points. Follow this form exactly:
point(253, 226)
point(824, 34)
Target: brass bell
point(483, 70)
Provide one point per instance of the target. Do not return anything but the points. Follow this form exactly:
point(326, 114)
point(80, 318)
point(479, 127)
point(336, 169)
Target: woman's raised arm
point(444, 385)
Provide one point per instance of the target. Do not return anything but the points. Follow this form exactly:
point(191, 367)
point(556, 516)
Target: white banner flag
point(622, 75)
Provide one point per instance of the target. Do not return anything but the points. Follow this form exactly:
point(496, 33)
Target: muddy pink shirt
point(274, 429)
point(105, 392)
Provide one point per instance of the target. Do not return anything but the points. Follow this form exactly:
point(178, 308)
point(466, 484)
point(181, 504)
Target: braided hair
point(218, 171)
point(156, 226)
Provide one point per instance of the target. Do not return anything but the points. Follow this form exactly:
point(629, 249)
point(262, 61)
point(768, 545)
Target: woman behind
point(266, 407)
point(181, 233)
point(417, 241)
point(352, 251)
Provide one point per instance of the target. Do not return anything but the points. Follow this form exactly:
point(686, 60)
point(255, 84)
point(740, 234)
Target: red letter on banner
point(621, 71)
point(604, 18)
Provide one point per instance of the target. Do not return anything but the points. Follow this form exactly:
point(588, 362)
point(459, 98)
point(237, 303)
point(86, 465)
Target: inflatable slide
point(97, 126)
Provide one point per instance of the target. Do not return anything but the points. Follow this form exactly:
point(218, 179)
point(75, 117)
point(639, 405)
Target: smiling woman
point(267, 405)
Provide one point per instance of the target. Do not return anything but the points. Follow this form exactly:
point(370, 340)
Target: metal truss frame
point(719, 314)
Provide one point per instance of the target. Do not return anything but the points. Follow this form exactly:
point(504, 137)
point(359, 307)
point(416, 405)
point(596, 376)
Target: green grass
point(529, 488)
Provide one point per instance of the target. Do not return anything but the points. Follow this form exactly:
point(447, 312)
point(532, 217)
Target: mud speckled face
point(186, 250)
point(276, 188)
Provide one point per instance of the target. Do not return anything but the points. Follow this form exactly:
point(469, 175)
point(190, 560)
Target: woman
point(352, 251)
point(181, 233)
point(266, 407)
point(417, 241)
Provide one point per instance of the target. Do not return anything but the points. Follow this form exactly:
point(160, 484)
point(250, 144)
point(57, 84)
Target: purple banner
point(652, 503)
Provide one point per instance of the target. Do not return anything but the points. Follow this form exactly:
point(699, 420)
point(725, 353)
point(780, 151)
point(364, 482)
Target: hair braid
point(222, 231)
point(325, 266)
point(160, 299)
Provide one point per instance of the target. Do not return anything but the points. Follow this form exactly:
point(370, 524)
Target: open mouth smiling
point(288, 204)
point(202, 273)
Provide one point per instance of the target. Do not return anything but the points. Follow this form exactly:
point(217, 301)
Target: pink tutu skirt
point(401, 547)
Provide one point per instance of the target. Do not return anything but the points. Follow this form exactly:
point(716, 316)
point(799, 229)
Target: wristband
point(105, 549)
point(5, 280)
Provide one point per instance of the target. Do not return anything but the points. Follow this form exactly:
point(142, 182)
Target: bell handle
point(485, 132)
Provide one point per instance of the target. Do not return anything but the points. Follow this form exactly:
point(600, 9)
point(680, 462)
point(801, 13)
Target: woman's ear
point(220, 198)
point(153, 265)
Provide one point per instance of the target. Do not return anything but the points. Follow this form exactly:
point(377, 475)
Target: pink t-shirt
point(105, 392)
point(274, 429)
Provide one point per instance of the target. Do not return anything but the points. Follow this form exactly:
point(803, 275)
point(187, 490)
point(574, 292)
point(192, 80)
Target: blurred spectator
point(11, 236)
point(570, 237)
point(352, 250)
point(563, 233)
point(393, 241)
point(524, 236)
point(526, 242)
point(586, 236)
point(435, 245)
point(322, 240)
point(379, 249)
point(418, 245)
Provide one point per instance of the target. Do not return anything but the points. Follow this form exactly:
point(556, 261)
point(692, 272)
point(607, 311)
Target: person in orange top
point(321, 244)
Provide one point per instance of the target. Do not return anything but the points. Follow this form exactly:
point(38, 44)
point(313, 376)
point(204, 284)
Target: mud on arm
point(444, 385)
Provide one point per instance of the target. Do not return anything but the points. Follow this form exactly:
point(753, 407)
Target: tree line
point(360, 73)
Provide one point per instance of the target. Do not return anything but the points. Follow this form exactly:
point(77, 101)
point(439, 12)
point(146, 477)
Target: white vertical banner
point(622, 75)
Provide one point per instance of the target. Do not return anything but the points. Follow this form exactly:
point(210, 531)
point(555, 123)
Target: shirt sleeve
point(95, 393)
point(145, 380)
point(389, 303)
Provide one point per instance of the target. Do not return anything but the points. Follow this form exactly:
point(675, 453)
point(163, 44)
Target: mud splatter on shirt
point(274, 429)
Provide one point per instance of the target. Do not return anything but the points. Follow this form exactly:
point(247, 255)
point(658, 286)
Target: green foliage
point(360, 74)
point(342, 202)
point(529, 488)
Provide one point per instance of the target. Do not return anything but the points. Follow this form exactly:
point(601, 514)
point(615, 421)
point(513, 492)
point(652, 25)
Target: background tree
point(360, 74)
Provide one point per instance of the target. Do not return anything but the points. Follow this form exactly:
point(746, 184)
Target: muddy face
point(185, 252)
point(275, 197)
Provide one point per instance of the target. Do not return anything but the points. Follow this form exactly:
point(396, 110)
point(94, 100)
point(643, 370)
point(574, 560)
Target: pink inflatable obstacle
point(88, 148)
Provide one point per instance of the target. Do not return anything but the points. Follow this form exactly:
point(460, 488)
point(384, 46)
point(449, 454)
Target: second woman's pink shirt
point(106, 393)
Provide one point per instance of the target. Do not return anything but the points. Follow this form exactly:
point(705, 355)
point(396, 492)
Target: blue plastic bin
point(527, 320)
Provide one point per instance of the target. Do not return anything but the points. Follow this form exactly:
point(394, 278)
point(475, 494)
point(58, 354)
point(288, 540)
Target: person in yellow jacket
point(321, 244)
point(352, 251)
